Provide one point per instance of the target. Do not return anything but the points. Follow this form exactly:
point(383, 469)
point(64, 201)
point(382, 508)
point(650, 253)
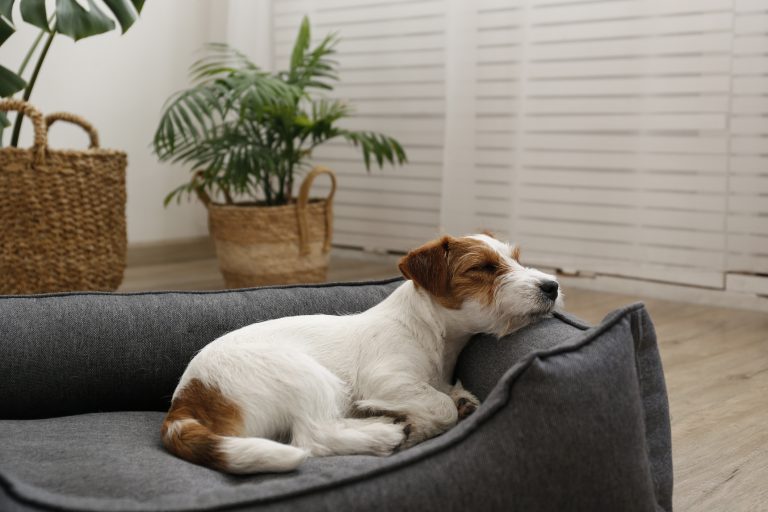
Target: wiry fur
point(369, 383)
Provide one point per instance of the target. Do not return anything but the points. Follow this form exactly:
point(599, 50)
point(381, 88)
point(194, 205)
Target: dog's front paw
point(390, 437)
point(466, 402)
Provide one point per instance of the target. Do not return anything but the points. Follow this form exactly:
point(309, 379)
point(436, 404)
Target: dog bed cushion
point(574, 418)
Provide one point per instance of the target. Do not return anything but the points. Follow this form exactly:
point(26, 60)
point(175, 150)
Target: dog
point(265, 397)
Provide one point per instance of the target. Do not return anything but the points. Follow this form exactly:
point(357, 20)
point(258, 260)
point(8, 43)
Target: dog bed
point(573, 417)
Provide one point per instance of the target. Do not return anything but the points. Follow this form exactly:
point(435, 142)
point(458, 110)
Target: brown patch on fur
point(516, 254)
point(214, 416)
point(453, 270)
point(489, 233)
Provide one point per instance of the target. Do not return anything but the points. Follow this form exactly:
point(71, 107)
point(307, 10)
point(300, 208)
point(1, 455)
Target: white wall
point(119, 83)
point(247, 25)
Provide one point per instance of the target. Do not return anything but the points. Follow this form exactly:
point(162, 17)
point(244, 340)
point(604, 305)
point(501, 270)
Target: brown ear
point(427, 266)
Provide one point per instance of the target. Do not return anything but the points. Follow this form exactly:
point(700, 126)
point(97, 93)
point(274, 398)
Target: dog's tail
point(191, 440)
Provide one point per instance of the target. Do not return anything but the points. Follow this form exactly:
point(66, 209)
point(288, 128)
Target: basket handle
point(40, 141)
point(199, 190)
point(74, 119)
point(301, 209)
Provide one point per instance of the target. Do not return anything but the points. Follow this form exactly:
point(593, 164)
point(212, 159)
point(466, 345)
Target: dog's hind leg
point(290, 391)
point(350, 436)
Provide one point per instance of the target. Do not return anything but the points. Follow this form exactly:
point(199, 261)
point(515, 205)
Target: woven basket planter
point(62, 213)
point(263, 245)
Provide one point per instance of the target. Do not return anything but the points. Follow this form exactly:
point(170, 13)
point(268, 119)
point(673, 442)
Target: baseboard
point(170, 251)
point(201, 248)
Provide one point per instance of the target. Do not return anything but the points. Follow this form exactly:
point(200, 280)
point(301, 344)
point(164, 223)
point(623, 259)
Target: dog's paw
point(389, 437)
point(466, 402)
point(466, 407)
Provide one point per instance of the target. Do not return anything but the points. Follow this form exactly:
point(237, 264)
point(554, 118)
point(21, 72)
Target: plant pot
point(62, 214)
point(266, 245)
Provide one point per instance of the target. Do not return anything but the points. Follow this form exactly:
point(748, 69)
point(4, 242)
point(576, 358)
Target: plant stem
point(286, 175)
point(280, 187)
point(30, 86)
point(24, 63)
point(289, 184)
point(267, 186)
point(227, 196)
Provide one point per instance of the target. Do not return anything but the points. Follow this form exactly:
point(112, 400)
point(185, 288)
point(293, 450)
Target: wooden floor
point(715, 361)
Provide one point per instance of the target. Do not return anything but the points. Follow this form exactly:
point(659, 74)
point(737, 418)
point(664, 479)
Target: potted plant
point(246, 135)
point(62, 219)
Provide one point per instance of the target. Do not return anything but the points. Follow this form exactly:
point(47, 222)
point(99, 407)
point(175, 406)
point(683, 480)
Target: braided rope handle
point(40, 140)
point(301, 209)
point(74, 119)
point(199, 190)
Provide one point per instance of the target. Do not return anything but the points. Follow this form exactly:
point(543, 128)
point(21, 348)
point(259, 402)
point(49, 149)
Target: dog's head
point(482, 277)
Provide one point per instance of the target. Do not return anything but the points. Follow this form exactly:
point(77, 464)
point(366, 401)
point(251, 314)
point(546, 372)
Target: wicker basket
point(62, 213)
point(261, 245)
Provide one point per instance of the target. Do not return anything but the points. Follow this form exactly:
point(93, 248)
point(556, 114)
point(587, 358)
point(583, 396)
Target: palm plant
point(247, 132)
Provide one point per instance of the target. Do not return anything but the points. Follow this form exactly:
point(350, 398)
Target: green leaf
point(138, 5)
point(312, 69)
point(4, 122)
point(10, 82)
point(33, 11)
point(124, 11)
point(301, 45)
point(177, 192)
point(303, 121)
point(6, 28)
point(76, 22)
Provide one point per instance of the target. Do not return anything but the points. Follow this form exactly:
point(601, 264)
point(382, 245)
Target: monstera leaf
point(77, 19)
point(70, 17)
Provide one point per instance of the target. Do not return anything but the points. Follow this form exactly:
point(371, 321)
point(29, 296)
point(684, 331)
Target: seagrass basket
point(262, 245)
point(62, 212)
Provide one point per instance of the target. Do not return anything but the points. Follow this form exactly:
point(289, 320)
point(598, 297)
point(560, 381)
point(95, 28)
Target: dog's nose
point(549, 288)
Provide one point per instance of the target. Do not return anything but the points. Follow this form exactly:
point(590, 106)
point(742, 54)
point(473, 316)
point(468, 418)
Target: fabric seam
point(351, 284)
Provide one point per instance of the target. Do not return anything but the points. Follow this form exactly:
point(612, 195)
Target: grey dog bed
point(574, 418)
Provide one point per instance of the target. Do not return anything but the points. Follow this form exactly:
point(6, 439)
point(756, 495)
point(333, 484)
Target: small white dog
point(265, 397)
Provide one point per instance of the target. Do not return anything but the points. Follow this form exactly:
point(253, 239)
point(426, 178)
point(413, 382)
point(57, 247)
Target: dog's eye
point(485, 267)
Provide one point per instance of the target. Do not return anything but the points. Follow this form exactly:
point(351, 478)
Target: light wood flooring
point(715, 361)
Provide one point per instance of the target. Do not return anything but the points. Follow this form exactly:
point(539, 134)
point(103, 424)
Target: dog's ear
point(427, 266)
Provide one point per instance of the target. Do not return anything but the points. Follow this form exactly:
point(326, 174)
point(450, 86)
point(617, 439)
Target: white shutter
point(748, 199)
point(391, 60)
point(483, 57)
point(595, 133)
point(621, 137)
point(623, 150)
